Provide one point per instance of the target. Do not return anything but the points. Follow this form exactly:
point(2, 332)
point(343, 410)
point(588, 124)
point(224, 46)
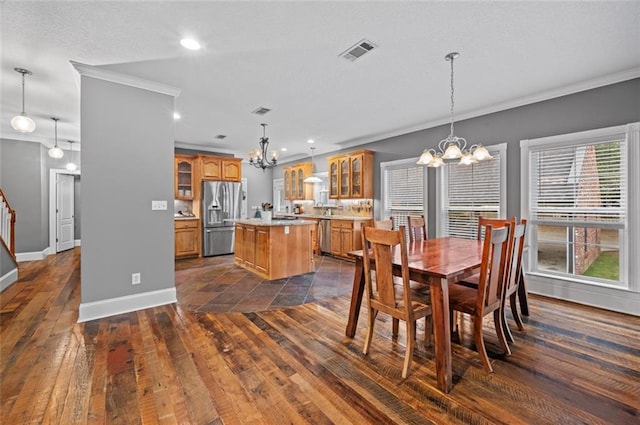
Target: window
point(470, 191)
point(575, 190)
point(403, 190)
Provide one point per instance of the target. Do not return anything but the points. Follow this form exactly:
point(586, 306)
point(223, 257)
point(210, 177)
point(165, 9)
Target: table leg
point(522, 296)
point(441, 332)
point(356, 298)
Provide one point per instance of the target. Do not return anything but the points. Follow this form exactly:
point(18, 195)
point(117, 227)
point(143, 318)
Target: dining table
point(436, 262)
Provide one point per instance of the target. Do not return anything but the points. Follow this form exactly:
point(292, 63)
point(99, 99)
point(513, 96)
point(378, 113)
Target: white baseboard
point(32, 256)
point(76, 242)
point(613, 299)
point(113, 306)
point(8, 279)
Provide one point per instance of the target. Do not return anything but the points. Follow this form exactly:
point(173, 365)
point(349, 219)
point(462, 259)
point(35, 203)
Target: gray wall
point(24, 171)
point(607, 106)
point(127, 161)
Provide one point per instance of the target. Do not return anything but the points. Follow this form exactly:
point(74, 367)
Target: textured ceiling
point(284, 56)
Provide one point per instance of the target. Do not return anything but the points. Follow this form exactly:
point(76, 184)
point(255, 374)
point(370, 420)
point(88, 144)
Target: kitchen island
point(274, 249)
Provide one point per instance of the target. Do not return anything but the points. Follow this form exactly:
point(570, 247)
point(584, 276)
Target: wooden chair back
point(495, 222)
point(384, 224)
point(514, 270)
point(417, 228)
point(492, 271)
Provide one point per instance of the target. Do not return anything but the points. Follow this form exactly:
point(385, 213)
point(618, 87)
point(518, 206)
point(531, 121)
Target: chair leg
point(411, 337)
point(502, 339)
point(504, 325)
point(514, 312)
point(394, 327)
point(372, 320)
point(428, 331)
point(482, 351)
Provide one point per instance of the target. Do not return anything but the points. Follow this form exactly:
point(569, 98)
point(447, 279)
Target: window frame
point(385, 212)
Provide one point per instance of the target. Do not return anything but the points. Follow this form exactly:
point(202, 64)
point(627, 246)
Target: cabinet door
point(300, 184)
point(336, 241)
point(294, 189)
point(183, 184)
point(346, 241)
point(333, 178)
point(249, 245)
point(231, 170)
point(287, 185)
point(239, 244)
point(186, 242)
point(345, 178)
point(262, 249)
point(357, 176)
point(211, 168)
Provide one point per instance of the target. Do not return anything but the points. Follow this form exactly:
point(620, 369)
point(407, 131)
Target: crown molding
point(127, 80)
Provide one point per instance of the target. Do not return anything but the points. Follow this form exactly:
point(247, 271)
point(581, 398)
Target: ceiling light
point(22, 122)
point(312, 178)
point(71, 166)
point(55, 151)
point(283, 149)
point(310, 141)
point(453, 148)
point(258, 157)
point(190, 43)
point(176, 116)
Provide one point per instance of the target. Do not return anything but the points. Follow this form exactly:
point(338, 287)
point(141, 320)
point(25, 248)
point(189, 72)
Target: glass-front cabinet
point(287, 185)
point(183, 184)
point(351, 175)
point(294, 186)
point(294, 189)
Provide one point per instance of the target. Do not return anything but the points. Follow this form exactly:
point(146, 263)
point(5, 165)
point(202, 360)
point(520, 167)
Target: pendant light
point(22, 122)
point(453, 148)
point(71, 165)
point(312, 178)
point(55, 151)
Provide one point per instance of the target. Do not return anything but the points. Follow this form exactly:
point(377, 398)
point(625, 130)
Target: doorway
point(63, 204)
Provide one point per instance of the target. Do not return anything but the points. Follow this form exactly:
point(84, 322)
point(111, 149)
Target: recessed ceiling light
point(283, 149)
point(310, 141)
point(176, 116)
point(190, 43)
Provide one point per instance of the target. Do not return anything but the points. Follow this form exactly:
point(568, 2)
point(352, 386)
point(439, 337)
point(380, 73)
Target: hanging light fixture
point(257, 157)
point(312, 178)
point(55, 151)
point(453, 148)
point(22, 122)
point(71, 165)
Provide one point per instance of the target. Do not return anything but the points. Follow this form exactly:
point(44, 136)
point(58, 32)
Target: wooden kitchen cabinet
point(187, 238)
point(294, 186)
point(232, 169)
point(351, 175)
point(183, 177)
point(220, 168)
point(346, 236)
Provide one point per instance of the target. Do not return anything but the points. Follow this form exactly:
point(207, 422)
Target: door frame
point(53, 174)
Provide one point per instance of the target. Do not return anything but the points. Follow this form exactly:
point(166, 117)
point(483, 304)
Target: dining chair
point(495, 222)
point(417, 228)
point(384, 224)
point(384, 296)
point(487, 297)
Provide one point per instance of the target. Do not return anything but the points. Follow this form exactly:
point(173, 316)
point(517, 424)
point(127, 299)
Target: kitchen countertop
point(184, 218)
point(275, 222)
point(325, 217)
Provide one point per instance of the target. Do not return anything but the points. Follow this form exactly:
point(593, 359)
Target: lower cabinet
point(187, 238)
point(346, 236)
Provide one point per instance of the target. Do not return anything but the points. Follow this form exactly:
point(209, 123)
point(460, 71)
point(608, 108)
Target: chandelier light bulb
point(71, 166)
point(453, 151)
point(481, 153)
point(425, 158)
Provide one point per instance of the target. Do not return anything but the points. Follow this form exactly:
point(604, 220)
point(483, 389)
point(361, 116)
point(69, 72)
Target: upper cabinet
point(220, 168)
point(294, 186)
point(351, 175)
point(183, 172)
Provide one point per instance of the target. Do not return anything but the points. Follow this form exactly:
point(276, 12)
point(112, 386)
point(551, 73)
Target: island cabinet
point(294, 186)
point(187, 238)
point(220, 168)
point(274, 250)
point(351, 175)
point(346, 236)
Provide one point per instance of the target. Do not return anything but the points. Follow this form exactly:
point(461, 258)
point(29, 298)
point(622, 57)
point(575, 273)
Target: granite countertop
point(275, 222)
point(324, 217)
point(180, 217)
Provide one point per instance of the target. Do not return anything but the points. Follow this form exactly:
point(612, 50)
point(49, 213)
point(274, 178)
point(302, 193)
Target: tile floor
point(215, 284)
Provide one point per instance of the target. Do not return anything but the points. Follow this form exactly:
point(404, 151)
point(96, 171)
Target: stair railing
point(7, 224)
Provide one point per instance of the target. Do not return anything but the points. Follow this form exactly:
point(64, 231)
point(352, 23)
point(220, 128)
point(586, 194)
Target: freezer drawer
point(217, 241)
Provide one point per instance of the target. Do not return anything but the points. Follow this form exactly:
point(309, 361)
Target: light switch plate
point(159, 205)
point(286, 230)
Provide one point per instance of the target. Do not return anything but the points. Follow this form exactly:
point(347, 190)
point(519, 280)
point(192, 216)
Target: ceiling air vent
point(261, 111)
point(358, 50)
point(220, 136)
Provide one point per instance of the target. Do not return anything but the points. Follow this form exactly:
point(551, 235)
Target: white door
point(64, 213)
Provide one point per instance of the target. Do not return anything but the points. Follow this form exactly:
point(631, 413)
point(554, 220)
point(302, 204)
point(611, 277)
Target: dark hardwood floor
point(177, 365)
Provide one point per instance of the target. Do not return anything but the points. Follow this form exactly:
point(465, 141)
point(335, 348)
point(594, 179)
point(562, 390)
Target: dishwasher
point(324, 233)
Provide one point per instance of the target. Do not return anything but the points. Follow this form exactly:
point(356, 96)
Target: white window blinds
point(403, 190)
point(583, 183)
point(471, 191)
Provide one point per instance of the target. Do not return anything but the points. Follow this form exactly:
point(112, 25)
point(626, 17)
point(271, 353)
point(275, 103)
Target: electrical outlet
point(135, 279)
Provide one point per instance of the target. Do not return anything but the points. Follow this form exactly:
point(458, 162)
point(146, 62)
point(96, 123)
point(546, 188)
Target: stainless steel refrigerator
point(221, 207)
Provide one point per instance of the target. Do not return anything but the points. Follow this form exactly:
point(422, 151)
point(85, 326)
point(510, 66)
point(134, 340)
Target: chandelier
point(257, 157)
point(453, 148)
